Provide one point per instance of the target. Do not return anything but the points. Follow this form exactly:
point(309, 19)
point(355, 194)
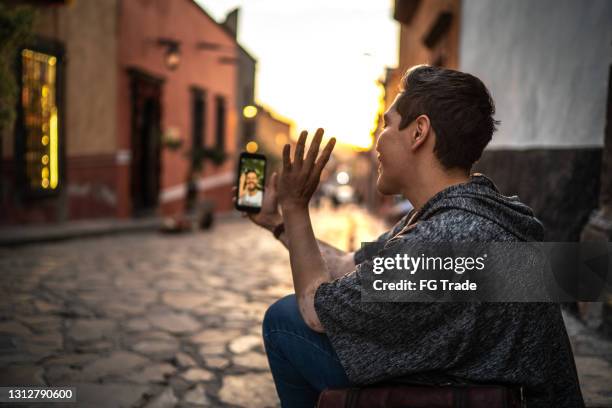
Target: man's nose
point(377, 142)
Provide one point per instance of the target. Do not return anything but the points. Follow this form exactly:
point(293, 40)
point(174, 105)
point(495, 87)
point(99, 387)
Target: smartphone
point(250, 182)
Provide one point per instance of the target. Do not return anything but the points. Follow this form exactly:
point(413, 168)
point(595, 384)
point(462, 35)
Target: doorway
point(146, 142)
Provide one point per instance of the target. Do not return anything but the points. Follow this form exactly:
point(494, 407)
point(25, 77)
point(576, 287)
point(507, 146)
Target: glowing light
point(40, 110)
point(338, 94)
point(172, 60)
point(53, 149)
point(249, 111)
point(342, 177)
point(252, 147)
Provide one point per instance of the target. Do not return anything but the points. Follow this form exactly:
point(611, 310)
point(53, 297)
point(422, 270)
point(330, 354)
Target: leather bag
point(423, 396)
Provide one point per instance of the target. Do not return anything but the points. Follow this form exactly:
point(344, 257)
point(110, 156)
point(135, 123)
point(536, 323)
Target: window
point(38, 127)
point(220, 117)
point(198, 118)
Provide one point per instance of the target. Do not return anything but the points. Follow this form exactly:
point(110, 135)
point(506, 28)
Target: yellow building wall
point(88, 31)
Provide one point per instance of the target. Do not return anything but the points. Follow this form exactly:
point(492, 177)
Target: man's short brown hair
point(459, 107)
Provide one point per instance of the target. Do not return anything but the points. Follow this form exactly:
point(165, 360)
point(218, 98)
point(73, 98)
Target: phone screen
point(251, 182)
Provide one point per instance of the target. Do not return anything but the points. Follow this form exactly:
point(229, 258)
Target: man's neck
point(251, 192)
point(422, 191)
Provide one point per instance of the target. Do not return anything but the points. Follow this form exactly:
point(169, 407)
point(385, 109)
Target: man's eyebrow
point(386, 118)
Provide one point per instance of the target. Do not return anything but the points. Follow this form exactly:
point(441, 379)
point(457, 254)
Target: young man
point(250, 193)
point(325, 337)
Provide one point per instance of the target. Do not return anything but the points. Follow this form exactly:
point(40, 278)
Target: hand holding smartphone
point(250, 182)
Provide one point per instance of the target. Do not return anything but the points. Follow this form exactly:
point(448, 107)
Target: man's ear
point(421, 132)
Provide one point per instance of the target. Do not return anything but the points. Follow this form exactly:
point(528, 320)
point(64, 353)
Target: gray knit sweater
point(497, 343)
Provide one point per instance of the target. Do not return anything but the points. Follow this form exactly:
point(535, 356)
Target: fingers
point(298, 158)
point(311, 167)
point(314, 149)
point(286, 158)
point(272, 182)
point(274, 185)
point(323, 159)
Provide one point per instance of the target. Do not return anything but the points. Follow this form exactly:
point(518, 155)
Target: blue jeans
point(302, 361)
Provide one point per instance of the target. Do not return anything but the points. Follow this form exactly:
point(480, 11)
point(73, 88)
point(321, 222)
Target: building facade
point(550, 90)
point(549, 76)
point(116, 97)
point(245, 85)
point(429, 34)
point(271, 132)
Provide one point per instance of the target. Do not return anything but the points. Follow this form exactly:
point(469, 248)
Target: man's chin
point(384, 188)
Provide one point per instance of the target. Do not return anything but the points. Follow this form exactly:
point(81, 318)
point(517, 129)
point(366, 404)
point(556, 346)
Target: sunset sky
point(318, 60)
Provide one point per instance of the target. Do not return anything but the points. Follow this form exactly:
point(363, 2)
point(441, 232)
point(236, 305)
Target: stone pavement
point(593, 355)
point(150, 320)
point(20, 235)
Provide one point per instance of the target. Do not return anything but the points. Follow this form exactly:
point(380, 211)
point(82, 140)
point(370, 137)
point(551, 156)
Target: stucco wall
point(546, 63)
point(88, 30)
point(245, 93)
point(142, 23)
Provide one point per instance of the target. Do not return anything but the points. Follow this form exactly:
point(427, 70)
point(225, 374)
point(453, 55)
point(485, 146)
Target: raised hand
point(299, 179)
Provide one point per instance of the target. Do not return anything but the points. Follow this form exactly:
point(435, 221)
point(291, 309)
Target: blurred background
point(126, 117)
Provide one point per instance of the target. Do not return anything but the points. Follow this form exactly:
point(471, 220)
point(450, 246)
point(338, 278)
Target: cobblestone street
point(148, 319)
point(151, 320)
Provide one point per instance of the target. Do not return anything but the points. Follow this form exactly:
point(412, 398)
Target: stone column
point(599, 227)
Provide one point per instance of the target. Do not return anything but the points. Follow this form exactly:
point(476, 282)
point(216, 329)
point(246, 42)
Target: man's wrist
point(295, 218)
point(278, 230)
point(291, 209)
point(271, 224)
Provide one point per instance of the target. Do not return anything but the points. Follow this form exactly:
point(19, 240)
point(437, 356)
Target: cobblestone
point(166, 399)
point(197, 375)
point(153, 321)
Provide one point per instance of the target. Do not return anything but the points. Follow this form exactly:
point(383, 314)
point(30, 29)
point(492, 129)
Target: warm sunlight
point(319, 61)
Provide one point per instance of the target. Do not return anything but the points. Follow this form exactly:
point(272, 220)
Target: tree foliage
point(15, 31)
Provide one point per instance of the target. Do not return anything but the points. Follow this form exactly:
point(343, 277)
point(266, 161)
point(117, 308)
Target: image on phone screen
point(251, 182)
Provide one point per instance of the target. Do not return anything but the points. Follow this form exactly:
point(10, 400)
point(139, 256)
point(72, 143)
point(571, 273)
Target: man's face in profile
point(393, 156)
point(251, 181)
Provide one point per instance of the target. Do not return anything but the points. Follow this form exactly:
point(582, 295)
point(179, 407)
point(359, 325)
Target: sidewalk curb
point(24, 235)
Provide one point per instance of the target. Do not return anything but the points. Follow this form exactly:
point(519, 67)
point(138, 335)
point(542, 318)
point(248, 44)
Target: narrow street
point(151, 320)
point(148, 319)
